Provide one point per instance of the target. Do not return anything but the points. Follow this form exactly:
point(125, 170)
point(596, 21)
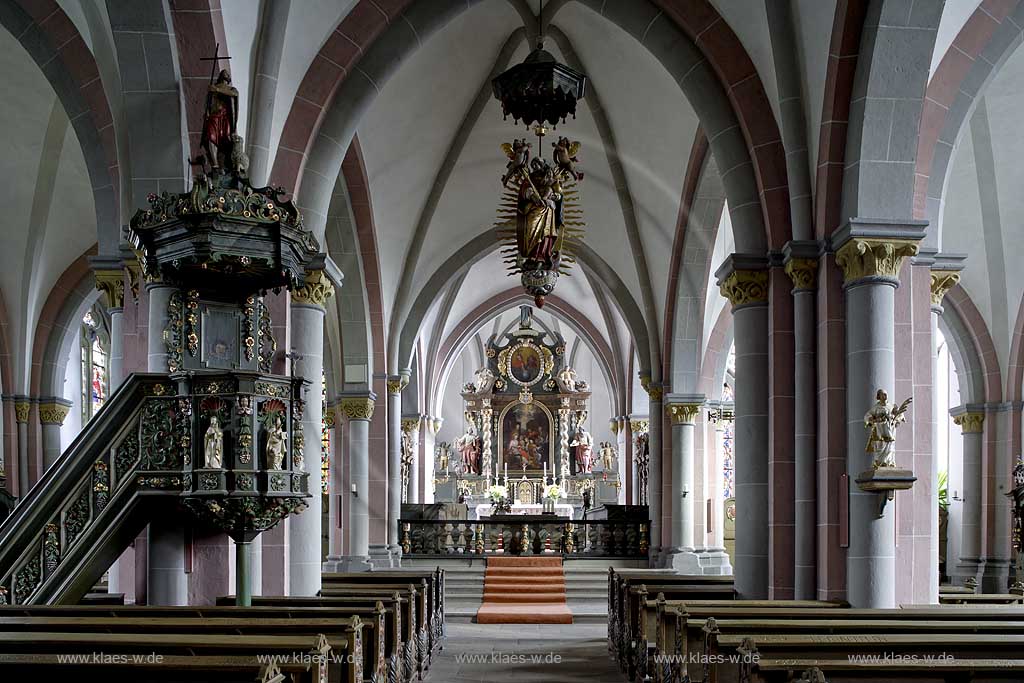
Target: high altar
point(526, 412)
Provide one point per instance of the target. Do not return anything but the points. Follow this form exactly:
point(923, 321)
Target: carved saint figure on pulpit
point(582, 445)
point(469, 446)
point(882, 421)
point(277, 444)
point(220, 122)
point(567, 381)
point(213, 445)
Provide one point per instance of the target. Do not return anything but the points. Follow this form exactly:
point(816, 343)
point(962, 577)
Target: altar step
point(524, 590)
point(586, 585)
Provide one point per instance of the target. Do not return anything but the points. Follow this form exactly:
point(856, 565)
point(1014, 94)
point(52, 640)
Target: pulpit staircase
point(132, 463)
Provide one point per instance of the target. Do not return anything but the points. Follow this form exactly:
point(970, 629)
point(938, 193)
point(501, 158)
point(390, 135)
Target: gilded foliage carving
point(158, 439)
point(744, 287)
point(863, 258)
point(76, 518)
point(28, 579)
point(174, 332)
point(357, 408)
point(941, 282)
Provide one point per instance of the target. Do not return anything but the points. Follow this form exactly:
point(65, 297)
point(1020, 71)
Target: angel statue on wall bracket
point(881, 421)
point(539, 217)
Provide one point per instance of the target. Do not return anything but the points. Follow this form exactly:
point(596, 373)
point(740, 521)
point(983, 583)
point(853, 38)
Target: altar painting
point(526, 438)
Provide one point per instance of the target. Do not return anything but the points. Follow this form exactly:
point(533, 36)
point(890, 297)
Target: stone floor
point(534, 653)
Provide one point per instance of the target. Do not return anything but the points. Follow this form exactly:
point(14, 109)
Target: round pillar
point(871, 269)
point(305, 562)
point(395, 384)
point(747, 291)
point(52, 413)
point(358, 411)
point(972, 425)
point(654, 482)
point(804, 274)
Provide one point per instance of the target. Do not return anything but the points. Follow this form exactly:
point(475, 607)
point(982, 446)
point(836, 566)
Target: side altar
point(526, 415)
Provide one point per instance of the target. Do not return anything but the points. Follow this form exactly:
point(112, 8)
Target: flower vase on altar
point(500, 503)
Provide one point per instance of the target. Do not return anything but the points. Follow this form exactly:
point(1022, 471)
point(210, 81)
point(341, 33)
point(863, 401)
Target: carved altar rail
point(525, 535)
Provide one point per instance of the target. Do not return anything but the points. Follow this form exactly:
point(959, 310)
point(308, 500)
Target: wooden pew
point(902, 646)
point(620, 635)
point(619, 579)
point(431, 581)
point(660, 630)
point(408, 664)
point(327, 659)
point(845, 671)
point(308, 622)
point(435, 577)
point(980, 599)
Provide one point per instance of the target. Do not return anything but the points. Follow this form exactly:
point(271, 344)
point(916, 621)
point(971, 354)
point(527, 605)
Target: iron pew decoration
point(539, 216)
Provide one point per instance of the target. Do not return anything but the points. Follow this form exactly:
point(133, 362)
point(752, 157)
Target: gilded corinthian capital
point(970, 423)
point(803, 272)
point(683, 413)
point(317, 290)
point(743, 287)
point(942, 282)
point(111, 283)
point(873, 257)
point(357, 408)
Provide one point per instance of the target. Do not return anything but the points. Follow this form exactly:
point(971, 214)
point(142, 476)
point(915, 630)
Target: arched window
point(728, 458)
point(325, 440)
point(95, 345)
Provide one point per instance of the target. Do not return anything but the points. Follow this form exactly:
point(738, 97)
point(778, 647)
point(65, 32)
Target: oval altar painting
point(525, 364)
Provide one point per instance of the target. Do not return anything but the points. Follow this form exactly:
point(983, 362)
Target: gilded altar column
point(802, 268)
point(683, 412)
point(971, 420)
point(870, 255)
point(944, 275)
point(358, 412)
point(411, 463)
point(307, 340)
point(743, 280)
point(395, 384)
point(563, 441)
point(486, 432)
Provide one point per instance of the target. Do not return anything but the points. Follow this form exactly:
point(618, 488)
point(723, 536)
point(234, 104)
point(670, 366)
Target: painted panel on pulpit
point(526, 438)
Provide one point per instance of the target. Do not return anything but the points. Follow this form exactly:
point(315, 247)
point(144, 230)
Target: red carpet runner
point(524, 590)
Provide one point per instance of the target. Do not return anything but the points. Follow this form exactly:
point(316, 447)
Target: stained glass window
point(94, 354)
point(325, 440)
point(728, 460)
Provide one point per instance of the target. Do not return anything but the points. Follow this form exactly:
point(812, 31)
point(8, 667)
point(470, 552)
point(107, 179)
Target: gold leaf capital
point(743, 287)
point(683, 413)
point(803, 272)
point(863, 258)
point(970, 423)
point(53, 413)
point(942, 282)
point(317, 290)
point(21, 409)
point(357, 408)
point(111, 283)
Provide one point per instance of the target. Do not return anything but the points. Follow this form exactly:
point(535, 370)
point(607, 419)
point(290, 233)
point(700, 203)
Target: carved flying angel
point(565, 157)
point(518, 153)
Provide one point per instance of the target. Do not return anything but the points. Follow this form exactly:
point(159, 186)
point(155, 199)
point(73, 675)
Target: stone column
point(870, 256)
point(336, 486)
point(944, 275)
point(431, 426)
point(22, 407)
point(971, 421)
point(655, 393)
point(746, 288)
point(167, 583)
point(52, 412)
point(717, 498)
point(111, 283)
point(305, 563)
point(358, 412)
point(802, 268)
point(411, 437)
point(683, 414)
point(396, 383)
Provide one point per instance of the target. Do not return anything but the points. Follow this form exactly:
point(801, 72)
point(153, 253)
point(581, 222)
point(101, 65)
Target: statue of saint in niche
point(213, 445)
point(881, 421)
point(277, 445)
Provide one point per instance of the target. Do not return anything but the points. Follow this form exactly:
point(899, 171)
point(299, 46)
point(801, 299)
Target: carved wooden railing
point(525, 535)
point(139, 457)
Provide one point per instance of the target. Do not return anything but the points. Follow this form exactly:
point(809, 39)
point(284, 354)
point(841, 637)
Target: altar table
point(561, 509)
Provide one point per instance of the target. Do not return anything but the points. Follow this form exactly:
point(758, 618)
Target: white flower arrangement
point(497, 492)
point(554, 492)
